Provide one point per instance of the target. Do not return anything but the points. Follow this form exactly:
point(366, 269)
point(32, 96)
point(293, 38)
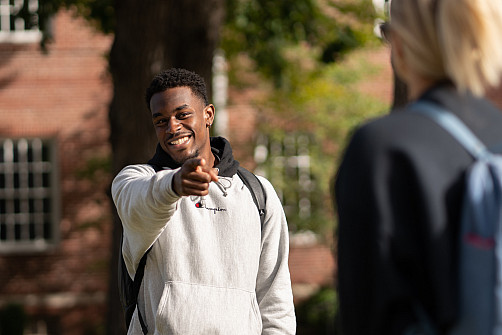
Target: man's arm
point(273, 284)
point(146, 200)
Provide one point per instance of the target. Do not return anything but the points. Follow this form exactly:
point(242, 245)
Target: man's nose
point(173, 126)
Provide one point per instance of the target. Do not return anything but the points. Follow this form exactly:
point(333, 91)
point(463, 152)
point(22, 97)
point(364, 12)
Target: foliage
point(99, 12)
point(318, 314)
point(305, 49)
point(94, 168)
point(265, 29)
point(323, 101)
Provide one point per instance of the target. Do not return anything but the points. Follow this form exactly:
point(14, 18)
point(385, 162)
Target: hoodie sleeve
point(145, 203)
point(273, 284)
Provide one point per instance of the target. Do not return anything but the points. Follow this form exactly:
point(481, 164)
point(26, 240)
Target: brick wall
point(64, 94)
point(312, 267)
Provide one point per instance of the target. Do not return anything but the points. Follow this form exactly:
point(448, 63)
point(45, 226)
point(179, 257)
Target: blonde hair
point(452, 39)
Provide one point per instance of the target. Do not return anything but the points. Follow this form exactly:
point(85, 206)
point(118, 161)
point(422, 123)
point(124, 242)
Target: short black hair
point(176, 77)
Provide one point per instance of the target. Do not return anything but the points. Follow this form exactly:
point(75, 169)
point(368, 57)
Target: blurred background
point(290, 80)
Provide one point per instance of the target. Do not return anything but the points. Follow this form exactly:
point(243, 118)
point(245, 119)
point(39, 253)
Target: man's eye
point(183, 115)
point(159, 122)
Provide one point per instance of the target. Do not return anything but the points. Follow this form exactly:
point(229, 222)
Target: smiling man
point(213, 267)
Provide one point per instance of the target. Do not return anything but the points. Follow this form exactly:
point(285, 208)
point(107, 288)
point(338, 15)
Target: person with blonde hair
point(400, 186)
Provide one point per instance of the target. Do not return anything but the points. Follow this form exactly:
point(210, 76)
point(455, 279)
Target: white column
point(220, 93)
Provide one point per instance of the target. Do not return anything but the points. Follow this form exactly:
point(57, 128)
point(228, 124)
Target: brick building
point(54, 139)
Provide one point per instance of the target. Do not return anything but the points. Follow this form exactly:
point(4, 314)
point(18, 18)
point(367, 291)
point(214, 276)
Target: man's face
point(182, 123)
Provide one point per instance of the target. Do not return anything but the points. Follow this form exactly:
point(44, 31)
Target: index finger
point(213, 172)
point(195, 164)
point(199, 165)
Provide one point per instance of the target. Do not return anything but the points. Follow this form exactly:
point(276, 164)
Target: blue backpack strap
point(257, 191)
point(451, 123)
point(481, 229)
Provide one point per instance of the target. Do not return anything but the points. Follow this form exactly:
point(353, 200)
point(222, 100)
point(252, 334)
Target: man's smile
point(180, 140)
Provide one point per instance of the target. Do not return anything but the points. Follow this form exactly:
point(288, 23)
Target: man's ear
point(209, 115)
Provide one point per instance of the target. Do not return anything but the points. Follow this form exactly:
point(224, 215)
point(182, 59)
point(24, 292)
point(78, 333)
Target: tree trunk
point(150, 36)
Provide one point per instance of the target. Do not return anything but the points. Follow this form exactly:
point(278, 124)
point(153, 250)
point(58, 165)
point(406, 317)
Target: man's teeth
point(179, 141)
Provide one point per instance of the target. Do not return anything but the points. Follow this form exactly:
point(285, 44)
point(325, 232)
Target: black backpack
point(129, 288)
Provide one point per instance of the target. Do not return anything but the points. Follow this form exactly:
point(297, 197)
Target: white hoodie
point(212, 268)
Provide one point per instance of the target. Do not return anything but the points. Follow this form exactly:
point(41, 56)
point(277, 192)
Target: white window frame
point(29, 196)
point(19, 34)
point(292, 152)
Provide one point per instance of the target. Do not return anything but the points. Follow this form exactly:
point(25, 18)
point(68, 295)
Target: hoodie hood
point(220, 148)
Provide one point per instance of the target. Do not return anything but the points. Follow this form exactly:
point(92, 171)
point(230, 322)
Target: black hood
point(221, 149)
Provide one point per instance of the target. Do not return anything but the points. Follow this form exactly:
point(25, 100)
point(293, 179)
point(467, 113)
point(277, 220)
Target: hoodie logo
point(201, 204)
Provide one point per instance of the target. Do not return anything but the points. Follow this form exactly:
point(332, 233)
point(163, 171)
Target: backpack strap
point(130, 302)
point(451, 123)
point(257, 191)
point(480, 229)
point(138, 278)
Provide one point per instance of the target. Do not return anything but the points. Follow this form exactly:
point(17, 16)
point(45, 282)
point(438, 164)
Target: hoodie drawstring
point(221, 185)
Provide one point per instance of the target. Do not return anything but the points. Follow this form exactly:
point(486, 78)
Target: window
point(285, 160)
point(19, 21)
point(29, 205)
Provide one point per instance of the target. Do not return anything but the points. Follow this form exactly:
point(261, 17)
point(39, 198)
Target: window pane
point(19, 22)
point(27, 194)
point(285, 160)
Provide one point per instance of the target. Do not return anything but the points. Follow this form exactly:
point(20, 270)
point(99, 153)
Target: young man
point(213, 268)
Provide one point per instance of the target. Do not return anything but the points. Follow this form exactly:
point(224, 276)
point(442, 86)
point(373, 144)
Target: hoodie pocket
point(198, 309)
